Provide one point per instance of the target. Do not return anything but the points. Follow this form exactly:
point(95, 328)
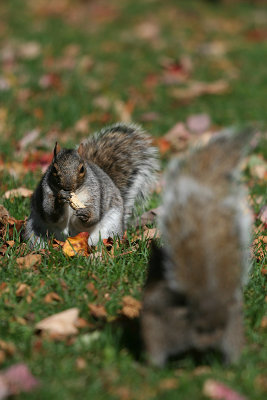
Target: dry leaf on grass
point(23, 289)
point(148, 217)
point(7, 347)
point(217, 390)
point(97, 310)
point(63, 323)
point(196, 89)
point(264, 322)
point(198, 123)
point(28, 261)
point(52, 296)
point(76, 245)
point(131, 307)
point(20, 192)
point(16, 379)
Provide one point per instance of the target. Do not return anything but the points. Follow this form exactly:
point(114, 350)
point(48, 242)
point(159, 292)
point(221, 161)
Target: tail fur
point(125, 153)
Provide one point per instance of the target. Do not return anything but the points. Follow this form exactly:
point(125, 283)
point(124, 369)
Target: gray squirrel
point(193, 295)
point(108, 173)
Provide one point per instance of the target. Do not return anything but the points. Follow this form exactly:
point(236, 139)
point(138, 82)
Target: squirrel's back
point(205, 220)
point(125, 153)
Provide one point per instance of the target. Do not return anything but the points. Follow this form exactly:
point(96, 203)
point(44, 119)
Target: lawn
point(67, 69)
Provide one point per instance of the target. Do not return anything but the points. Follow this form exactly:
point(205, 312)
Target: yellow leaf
point(76, 245)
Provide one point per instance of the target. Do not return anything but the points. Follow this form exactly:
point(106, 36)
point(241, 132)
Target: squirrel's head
point(68, 169)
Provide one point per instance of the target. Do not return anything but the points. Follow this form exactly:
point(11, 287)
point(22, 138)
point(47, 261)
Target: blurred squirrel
point(193, 294)
point(108, 173)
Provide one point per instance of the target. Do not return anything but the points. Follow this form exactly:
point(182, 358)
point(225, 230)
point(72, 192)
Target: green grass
point(122, 62)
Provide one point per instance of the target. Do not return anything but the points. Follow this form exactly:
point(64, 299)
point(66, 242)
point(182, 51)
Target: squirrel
point(193, 295)
point(108, 173)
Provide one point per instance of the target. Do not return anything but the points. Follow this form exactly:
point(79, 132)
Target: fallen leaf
point(76, 245)
point(81, 363)
point(196, 89)
point(28, 261)
point(82, 125)
point(22, 289)
point(7, 347)
point(97, 310)
point(91, 287)
point(28, 138)
point(148, 30)
point(198, 123)
point(19, 192)
point(63, 323)
point(37, 160)
point(264, 322)
point(29, 50)
point(168, 384)
point(163, 145)
point(52, 296)
point(16, 379)
point(131, 307)
point(217, 390)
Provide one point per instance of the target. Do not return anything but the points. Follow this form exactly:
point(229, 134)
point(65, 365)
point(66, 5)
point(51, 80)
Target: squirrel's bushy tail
point(125, 153)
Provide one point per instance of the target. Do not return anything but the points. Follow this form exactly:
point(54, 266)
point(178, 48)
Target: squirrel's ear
point(56, 149)
point(80, 150)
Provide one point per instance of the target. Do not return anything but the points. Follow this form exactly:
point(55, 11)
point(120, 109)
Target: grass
point(113, 62)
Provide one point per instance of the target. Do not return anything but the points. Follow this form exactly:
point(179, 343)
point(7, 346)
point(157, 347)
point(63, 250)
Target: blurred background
point(70, 66)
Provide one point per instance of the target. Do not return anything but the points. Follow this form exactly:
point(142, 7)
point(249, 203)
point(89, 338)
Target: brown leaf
point(91, 287)
point(28, 138)
point(63, 323)
point(217, 390)
point(97, 310)
point(52, 296)
point(7, 347)
point(81, 363)
point(29, 261)
point(22, 289)
point(196, 89)
point(264, 322)
point(168, 384)
point(131, 307)
point(20, 192)
point(76, 245)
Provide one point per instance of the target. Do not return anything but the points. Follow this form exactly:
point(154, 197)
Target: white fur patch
point(109, 226)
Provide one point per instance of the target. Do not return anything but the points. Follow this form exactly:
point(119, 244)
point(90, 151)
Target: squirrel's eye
point(82, 169)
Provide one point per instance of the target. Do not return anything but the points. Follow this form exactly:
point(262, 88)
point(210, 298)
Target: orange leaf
point(52, 296)
point(97, 310)
point(29, 261)
point(163, 145)
point(76, 245)
point(20, 192)
point(131, 307)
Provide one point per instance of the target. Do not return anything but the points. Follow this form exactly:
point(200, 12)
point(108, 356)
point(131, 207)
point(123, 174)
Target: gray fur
point(120, 167)
point(195, 301)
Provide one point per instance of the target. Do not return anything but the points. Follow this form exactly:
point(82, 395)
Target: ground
point(67, 69)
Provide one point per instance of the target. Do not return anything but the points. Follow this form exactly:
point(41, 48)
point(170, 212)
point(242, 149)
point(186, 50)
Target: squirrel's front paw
point(84, 214)
point(64, 196)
